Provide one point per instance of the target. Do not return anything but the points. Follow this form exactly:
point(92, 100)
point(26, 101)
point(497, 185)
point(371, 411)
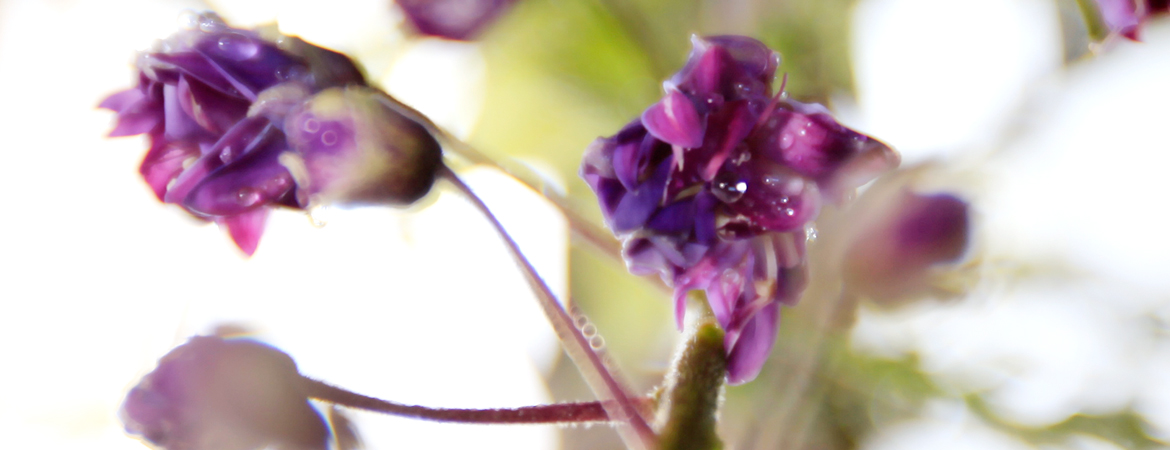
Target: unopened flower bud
point(353, 146)
point(901, 240)
point(224, 394)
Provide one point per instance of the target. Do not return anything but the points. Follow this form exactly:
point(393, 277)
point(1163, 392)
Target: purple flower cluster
point(239, 122)
point(224, 394)
point(1125, 17)
point(713, 188)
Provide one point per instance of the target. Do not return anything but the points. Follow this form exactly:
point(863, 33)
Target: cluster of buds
point(240, 121)
point(714, 186)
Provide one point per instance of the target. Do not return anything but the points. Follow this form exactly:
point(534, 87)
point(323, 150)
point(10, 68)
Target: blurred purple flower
point(1125, 17)
point(900, 239)
point(713, 187)
point(224, 394)
point(214, 101)
point(452, 19)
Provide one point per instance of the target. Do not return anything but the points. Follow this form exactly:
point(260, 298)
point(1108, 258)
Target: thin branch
point(592, 368)
point(564, 413)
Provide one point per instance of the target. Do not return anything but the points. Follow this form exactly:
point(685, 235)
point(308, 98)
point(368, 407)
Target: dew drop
point(247, 196)
point(786, 141)
point(238, 47)
point(209, 22)
point(597, 343)
point(329, 137)
point(728, 187)
point(311, 126)
point(589, 330)
point(810, 232)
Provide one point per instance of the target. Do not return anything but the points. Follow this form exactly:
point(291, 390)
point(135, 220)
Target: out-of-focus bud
point(356, 147)
point(901, 240)
point(452, 19)
point(1125, 17)
point(224, 394)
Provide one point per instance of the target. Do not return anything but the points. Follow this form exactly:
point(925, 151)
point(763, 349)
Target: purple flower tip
point(452, 19)
point(1126, 17)
point(216, 102)
point(224, 394)
point(890, 256)
point(714, 185)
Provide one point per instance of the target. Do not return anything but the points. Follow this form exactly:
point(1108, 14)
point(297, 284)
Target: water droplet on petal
point(728, 187)
point(318, 216)
point(329, 137)
point(247, 196)
point(209, 22)
point(238, 47)
point(311, 126)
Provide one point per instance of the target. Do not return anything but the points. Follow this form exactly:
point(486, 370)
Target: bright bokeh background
point(1064, 158)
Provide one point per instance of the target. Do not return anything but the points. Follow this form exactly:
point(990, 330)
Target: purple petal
point(675, 121)
point(213, 110)
point(728, 127)
point(246, 228)
point(253, 181)
point(636, 207)
point(754, 58)
point(163, 163)
point(777, 199)
point(119, 101)
point(179, 125)
point(748, 354)
point(677, 217)
point(1121, 17)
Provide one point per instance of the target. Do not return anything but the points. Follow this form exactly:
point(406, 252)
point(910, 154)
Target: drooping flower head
point(216, 102)
point(224, 394)
point(713, 187)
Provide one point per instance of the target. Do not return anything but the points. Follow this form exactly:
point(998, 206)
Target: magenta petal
point(256, 180)
point(246, 228)
point(163, 163)
point(746, 357)
point(1120, 16)
point(675, 120)
point(119, 101)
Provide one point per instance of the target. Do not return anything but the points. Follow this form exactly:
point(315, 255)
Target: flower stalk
point(612, 393)
point(562, 413)
point(690, 408)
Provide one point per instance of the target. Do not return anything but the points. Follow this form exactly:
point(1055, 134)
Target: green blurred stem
point(610, 391)
point(691, 404)
point(1094, 23)
point(561, 413)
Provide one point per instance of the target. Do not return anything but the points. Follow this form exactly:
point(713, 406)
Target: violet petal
point(675, 120)
point(755, 342)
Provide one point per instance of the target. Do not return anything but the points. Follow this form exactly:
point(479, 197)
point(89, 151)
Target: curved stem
point(590, 412)
point(612, 394)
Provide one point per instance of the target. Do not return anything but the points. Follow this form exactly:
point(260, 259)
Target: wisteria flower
point(216, 102)
point(713, 188)
point(224, 394)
